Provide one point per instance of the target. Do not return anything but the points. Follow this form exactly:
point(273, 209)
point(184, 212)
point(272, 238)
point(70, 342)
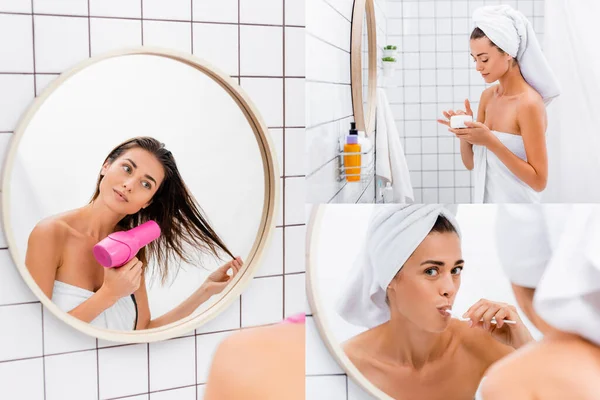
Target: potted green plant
point(389, 66)
point(389, 50)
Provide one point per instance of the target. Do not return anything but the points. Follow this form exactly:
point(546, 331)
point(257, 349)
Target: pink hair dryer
point(118, 248)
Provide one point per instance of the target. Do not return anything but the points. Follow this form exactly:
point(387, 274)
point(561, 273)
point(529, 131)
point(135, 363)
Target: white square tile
point(430, 162)
point(217, 44)
point(395, 28)
point(443, 42)
point(18, 6)
point(414, 162)
point(319, 360)
point(410, 9)
point(445, 93)
point(461, 60)
point(272, 261)
point(294, 103)
point(428, 77)
point(201, 389)
point(474, 5)
point(538, 8)
point(429, 145)
point(227, 319)
point(117, 362)
point(267, 95)
point(295, 12)
point(430, 196)
point(215, 11)
point(262, 302)
point(295, 294)
point(356, 392)
point(16, 43)
point(475, 92)
point(411, 95)
point(444, 77)
point(63, 7)
point(261, 11)
point(111, 34)
point(42, 82)
point(172, 9)
point(172, 35)
point(172, 363)
point(412, 128)
point(418, 195)
point(462, 178)
point(187, 393)
point(446, 145)
point(261, 50)
point(446, 195)
point(460, 40)
point(295, 51)
point(446, 179)
point(295, 151)
point(277, 141)
point(326, 387)
point(443, 26)
point(413, 146)
point(460, 9)
point(60, 42)
point(61, 338)
point(295, 198)
point(22, 339)
point(412, 111)
point(426, 9)
point(12, 287)
point(428, 94)
point(430, 179)
point(116, 8)
point(279, 216)
point(206, 346)
point(411, 77)
point(443, 9)
point(295, 239)
point(458, 164)
point(463, 195)
point(462, 26)
point(461, 77)
point(427, 26)
point(428, 60)
point(410, 61)
point(410, 44)
point(429, 112)
point(461, 93)
point(138, 397)
point(71, 376)
point(24, 377)
point(427, 43)
point(410, 27)
point(446, 162)
point(444, 60)
point(415, 178)
point(394, 9)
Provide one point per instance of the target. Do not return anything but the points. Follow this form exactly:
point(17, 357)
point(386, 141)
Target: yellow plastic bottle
point(354, 160)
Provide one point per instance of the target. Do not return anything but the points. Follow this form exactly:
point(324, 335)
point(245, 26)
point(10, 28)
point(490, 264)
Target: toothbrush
point(506, 321)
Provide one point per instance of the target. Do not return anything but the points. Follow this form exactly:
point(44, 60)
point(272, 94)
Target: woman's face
point(130, 181)
point(490, 62)
point(427, 283)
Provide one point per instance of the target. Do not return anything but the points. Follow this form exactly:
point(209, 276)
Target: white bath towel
point(511, 31)
point(120, 316)
point(394, 233)
point(493, 181)
point(391, 163)
point(555, 249)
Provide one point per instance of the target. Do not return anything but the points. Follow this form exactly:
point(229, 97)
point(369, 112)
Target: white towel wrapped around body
point(394, 233)
point(120, 316)
point(555, 249)
point(511, 31)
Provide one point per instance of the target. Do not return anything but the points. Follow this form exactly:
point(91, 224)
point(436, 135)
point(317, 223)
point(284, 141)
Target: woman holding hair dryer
point(138, 182)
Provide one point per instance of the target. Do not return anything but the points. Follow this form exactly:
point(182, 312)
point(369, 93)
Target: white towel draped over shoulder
point(555, 249)
point(511, 31)
point(120, 316)
point(394, 233)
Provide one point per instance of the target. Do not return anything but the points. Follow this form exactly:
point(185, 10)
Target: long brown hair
point(174, 209)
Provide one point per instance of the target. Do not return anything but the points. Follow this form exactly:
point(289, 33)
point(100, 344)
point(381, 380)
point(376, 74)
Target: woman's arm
point(214, 284)
point(531, 118)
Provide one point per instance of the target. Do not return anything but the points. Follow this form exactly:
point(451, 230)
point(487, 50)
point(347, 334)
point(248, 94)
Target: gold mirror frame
point(361, 9)
point(312, 285)
point(266, 226)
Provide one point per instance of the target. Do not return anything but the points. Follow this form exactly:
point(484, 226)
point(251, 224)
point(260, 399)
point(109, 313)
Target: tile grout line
point(283, 231)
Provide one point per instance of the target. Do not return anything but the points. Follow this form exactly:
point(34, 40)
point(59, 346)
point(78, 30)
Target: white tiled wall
point(329, 98)
point(41, 357)
point(435, 73)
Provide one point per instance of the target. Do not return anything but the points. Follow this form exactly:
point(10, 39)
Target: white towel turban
point(394, 233)
point(556, 250)
point(508, 29)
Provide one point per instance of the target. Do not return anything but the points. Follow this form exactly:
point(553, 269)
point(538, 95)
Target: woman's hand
point(450, 113)
point(481, 314)
point(122, 281)
point(216, 282)
point(475, 133)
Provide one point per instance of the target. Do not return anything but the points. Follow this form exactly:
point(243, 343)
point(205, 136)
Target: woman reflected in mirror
point(138, 182)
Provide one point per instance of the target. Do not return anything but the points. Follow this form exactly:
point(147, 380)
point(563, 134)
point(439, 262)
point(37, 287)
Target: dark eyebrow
point(480, 54)
point(146, 175)
point(441, 263)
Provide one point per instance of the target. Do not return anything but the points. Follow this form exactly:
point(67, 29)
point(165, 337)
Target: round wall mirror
point(139, 192)
point(363, 65)
point(360, 337)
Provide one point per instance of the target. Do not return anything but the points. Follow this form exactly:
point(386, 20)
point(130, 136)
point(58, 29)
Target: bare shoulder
point(480, 343)
point(52, 229)
point(357, 350)
point(488, 93)
point(530, 103)
point(266, 363)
